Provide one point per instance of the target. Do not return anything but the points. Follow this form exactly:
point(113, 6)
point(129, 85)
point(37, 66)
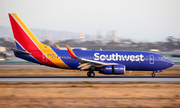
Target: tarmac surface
point(36, 66)
point(102, 79)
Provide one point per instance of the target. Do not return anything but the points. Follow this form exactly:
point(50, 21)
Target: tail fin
point(25, 39)
point(27, 43)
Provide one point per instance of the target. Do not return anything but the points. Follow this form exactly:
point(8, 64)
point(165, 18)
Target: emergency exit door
point(151, 59)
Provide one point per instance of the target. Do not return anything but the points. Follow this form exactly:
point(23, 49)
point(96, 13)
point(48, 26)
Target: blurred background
point(140, 25)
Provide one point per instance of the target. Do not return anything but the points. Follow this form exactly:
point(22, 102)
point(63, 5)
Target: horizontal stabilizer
point(19, 51)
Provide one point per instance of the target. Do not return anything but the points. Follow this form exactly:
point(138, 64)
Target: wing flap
point(86, 67)
point(83, 64)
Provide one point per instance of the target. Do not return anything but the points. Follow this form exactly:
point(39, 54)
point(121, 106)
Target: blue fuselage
point(133, 60)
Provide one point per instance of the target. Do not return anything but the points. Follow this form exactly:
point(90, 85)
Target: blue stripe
point(19, 47)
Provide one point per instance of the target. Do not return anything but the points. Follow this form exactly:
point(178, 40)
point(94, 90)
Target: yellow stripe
point(44, 48)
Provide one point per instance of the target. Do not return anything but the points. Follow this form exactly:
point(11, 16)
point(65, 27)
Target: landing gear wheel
point(153, 74)
point(90, 74)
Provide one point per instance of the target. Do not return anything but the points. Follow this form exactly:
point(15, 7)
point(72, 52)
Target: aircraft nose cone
point(170, 63)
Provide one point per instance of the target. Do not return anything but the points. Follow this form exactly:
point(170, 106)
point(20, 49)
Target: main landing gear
point(90, 74)
point(153, 74)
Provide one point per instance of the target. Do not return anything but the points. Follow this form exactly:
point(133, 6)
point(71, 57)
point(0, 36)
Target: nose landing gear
point(153, 74)
point(155, 71)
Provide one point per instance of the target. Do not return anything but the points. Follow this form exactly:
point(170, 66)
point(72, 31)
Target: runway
point(36, 66)
point(101, 79)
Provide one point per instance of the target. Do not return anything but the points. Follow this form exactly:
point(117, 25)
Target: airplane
point(29, 48)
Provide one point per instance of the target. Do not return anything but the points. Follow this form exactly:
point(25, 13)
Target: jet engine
point(112, 69)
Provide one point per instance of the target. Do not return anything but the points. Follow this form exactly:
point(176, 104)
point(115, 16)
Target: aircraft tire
point(153, 74)
point(92, 74)
point(89, 74)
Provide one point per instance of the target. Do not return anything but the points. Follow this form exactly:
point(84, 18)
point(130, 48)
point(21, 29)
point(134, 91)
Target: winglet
point(57, 46)
point(71, 53)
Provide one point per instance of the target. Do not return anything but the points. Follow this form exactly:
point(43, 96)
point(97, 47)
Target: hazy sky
point(142, 20)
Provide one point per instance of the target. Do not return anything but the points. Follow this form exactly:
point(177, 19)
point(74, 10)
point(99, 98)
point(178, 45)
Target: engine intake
point(113, 69)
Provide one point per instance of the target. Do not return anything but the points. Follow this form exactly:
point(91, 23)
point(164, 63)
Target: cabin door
point(151, 59)
point(44, 58)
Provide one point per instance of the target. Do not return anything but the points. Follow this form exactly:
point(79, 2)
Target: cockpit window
point(162, 58)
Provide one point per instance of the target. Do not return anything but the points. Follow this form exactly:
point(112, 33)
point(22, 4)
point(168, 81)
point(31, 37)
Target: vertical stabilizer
point(25, 39)
point(27, 42)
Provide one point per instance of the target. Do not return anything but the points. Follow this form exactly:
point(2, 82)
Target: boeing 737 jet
point(29, 48)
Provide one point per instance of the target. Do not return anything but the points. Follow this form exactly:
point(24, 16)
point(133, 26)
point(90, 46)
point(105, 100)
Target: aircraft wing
point(86, 63)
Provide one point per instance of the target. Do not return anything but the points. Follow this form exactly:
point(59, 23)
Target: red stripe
point(24, 40)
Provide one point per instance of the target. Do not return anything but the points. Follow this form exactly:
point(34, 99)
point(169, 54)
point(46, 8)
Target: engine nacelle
point(113, 69)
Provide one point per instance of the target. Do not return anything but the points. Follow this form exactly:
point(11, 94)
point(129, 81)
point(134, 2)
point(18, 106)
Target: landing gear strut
point(90, 74)
point(153, 74)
